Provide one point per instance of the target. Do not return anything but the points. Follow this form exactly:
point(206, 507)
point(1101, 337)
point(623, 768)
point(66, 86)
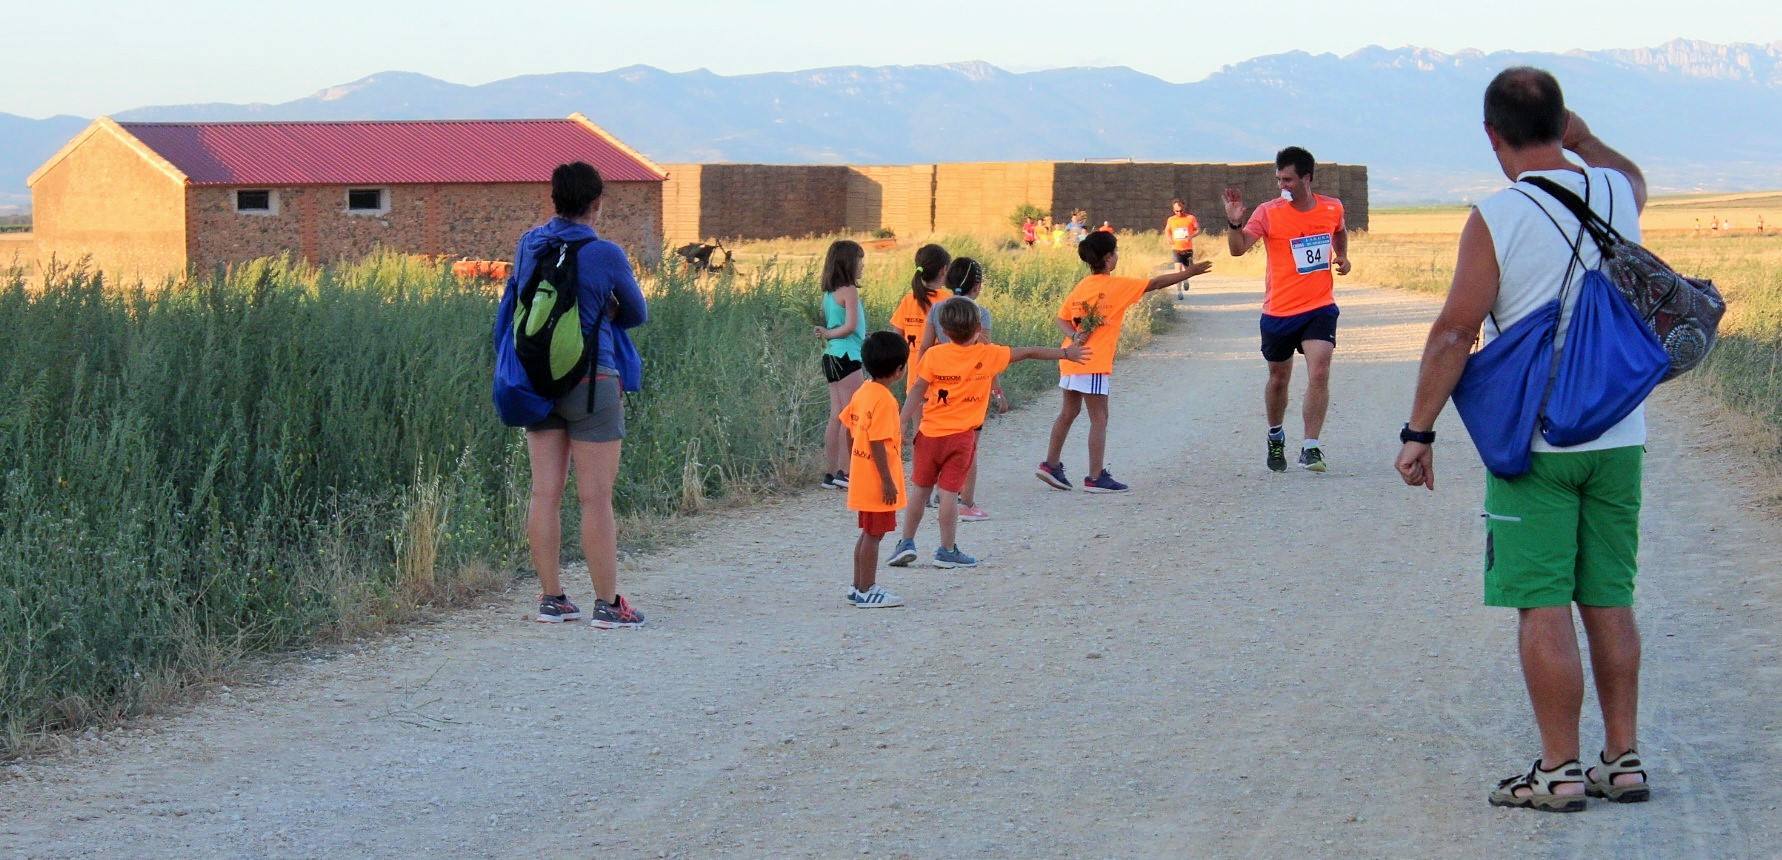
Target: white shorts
point(1086, 383)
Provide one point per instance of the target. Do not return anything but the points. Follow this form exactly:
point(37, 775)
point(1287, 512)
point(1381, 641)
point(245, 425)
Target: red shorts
point(877, 524)
point(944, 461)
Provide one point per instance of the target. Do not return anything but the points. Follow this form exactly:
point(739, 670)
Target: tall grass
point(249, 462)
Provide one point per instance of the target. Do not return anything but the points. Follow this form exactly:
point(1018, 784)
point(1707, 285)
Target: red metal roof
point(386, 153)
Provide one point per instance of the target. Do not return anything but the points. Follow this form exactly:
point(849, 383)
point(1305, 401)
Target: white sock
point(1309, 443)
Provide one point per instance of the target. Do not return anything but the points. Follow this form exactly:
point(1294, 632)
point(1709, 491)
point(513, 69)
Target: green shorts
point(1566, 532)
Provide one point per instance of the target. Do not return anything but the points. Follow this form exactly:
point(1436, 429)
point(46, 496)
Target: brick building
point(153, 199)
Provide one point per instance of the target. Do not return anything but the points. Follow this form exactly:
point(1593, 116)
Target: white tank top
point(1532, 257)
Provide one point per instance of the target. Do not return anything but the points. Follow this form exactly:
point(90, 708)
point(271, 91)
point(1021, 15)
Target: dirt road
point(1224, 663)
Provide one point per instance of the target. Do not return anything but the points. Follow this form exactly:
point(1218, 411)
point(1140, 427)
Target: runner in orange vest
point(1305, 236)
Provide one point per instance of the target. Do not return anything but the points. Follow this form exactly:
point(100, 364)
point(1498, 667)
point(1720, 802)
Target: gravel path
point(1224, 663)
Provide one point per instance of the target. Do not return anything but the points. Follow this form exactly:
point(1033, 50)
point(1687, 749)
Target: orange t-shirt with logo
point(959, 379)
point(911, 319)
point(1301, 247)
point(1180, 230)
point(872, 416)
point(1114, 296)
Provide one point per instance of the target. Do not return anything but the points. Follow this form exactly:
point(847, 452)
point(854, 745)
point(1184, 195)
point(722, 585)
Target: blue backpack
point(540, 353)
point(1521, 383)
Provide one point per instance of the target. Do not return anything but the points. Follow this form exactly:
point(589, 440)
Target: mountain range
point(1697, 115)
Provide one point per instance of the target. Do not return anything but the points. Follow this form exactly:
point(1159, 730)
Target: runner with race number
point(1306, 240)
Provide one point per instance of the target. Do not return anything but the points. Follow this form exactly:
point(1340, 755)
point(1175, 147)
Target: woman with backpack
point(586, 425)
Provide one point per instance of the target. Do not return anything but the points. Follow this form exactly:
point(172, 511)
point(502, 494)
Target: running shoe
point(841, 480)
point(950, 558)
point(934, 499)
point(1311, 459)
point(618, 613)
point(1103, 483)
point(1277, 454)
point(972, 514)
point(556, 610)
point(903, 554)
point(1053, 475)
point(875, 597)
point(829, 483)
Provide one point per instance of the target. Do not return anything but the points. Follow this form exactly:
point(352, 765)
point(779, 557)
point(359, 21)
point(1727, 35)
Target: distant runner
point(1305, 236)
point(1181, 228)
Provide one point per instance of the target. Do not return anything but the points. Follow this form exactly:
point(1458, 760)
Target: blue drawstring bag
point(1610, 362)
point(1500, 393)
point(516, 401)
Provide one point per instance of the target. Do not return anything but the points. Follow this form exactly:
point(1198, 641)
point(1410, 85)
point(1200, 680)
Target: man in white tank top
point(1567, 531)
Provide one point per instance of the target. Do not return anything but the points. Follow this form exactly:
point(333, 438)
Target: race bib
point(1311, 254)
point(1180, 233)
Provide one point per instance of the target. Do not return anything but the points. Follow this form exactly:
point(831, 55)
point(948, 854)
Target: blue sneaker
point(1053, 475)
point(903, 554)
point(951, 558)
point(1103, 483)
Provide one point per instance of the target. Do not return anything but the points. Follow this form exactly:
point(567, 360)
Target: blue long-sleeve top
point(604, 276)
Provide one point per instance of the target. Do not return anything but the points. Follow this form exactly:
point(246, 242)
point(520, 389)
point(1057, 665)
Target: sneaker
point(903, 554)
point(618, 613)
point(934, 500)
point(1103, 483)
point(556, 610)
point(875, 597)
point(972, 514)
point(829, 483)
point(1053, 475)
point(951, 558)
point(1277, 454)
point(1311, 459)
point(840, 479)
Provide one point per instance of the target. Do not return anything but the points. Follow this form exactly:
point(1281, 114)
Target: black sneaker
point(830, 483)
point(618, 613)
point(1311, 459)
point(555, 610)
point(1277, 454)
point(841, 480)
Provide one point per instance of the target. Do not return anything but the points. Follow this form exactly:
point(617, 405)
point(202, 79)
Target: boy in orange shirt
point(951, 397)
point(875, 488)
point(1092, 315)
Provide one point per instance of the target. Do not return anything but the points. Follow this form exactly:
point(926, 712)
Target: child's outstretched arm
point(882, 461)
point(1075, 352)
point(912, 407)
point(1174, 278)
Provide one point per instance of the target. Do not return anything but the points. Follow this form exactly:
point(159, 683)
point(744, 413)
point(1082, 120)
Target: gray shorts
point(606, 423)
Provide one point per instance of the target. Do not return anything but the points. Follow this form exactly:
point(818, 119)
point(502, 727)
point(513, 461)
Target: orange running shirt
point(1114, 296)
point(1300, 249)
point(910, 320)
point(872, 416)
point(1180, 230)
point(959, 380)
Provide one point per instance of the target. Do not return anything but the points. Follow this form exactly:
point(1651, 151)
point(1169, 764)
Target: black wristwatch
point(1422, 437)
point(1233, 224)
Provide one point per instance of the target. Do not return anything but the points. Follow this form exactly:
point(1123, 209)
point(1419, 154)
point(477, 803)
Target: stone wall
point(760, 201)
point(104, 200)
point(475, 221)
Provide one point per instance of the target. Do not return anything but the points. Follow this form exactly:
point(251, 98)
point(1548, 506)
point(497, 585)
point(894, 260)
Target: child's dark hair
point(1094, 250)
point(842, 265)
point(574, 188)
point(1303, 162)
point(959, 320)
point(964, 275)
point(931, 262)
point(883, 353)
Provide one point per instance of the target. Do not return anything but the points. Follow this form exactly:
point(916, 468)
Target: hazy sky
point(89, 57)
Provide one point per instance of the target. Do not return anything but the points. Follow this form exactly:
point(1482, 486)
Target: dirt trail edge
point(1225, 662)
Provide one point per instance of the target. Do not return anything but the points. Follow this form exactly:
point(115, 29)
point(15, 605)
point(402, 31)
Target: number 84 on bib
point(1311, 254)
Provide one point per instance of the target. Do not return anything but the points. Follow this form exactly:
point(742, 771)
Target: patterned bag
point(1684, 312)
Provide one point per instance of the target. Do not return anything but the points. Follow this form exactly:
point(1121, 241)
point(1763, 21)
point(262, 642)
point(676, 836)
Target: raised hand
point(1576, 131)
point(1200, 268)
point(1234, 205)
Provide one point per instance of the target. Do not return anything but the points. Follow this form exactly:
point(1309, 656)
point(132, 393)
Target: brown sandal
point(1605, 787)
point(1540, 784)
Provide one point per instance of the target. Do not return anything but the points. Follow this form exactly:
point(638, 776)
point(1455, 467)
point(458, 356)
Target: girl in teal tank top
point(842, 339)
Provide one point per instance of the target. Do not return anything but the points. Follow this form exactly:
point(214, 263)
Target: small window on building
point(258, 200)
point(367, 200)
